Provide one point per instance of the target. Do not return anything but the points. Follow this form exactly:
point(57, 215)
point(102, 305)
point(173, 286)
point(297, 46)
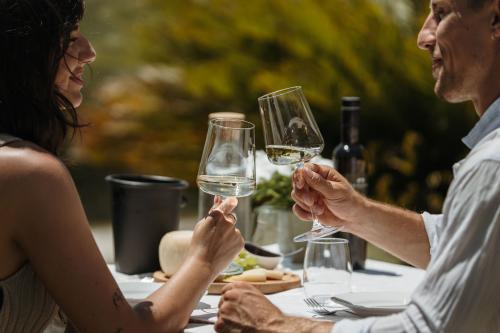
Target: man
point(459, 248)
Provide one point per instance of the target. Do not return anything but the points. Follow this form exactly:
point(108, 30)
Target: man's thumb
point(317, 183)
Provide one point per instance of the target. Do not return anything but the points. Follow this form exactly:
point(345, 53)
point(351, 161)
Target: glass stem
point(315, 220)
point(316, 223)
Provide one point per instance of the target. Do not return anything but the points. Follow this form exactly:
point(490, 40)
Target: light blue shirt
point(489, 122)
point(461, 289)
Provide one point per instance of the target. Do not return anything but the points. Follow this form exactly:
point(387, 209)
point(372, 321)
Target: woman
point(47, 253)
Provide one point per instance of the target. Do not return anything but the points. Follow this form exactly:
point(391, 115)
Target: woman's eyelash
point(439, 15)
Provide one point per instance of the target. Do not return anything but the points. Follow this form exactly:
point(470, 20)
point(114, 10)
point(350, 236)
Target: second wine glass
point(292, 137)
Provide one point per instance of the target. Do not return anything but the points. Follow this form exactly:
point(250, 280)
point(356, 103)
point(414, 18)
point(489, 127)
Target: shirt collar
point(489, 122)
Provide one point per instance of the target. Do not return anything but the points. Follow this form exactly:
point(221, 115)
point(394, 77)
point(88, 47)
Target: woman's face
point(69, 77)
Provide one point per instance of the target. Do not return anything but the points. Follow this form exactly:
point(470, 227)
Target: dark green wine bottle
point(349, 160)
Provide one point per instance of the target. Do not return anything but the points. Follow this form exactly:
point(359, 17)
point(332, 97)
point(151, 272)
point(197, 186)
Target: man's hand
point(329, 195)
point(243, 308)
point(336, 203)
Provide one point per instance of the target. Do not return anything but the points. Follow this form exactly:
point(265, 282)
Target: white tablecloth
point(378, 276)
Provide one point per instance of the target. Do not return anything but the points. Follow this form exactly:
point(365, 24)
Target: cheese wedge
point(274, 275)
point(253, 275)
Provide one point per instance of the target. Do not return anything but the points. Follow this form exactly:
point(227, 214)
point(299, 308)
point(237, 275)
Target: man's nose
point(427, 36)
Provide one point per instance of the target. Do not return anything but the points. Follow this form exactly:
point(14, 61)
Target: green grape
point(251, 261)
point(245, 260)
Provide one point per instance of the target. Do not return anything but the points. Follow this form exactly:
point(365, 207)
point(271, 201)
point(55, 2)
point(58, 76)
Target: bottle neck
point(350, 126)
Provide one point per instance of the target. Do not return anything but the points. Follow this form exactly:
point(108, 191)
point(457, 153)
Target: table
point(378, 276)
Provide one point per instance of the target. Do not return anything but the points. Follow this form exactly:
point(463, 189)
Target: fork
point(318, 308)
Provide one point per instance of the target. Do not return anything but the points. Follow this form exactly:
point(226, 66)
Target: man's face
point(463, 52)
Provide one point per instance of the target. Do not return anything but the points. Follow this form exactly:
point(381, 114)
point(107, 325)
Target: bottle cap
point(226, 115)
point(351, 102)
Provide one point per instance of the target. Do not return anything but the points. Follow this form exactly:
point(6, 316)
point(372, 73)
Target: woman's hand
point(329, 195)
point(216, 241)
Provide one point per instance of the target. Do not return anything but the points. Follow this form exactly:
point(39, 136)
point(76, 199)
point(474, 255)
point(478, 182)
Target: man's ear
point(495, 21)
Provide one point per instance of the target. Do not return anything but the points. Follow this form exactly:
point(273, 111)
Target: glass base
point(315, 233)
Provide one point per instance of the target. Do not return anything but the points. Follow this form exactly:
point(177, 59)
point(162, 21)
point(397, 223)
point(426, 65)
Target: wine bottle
point(348, 159)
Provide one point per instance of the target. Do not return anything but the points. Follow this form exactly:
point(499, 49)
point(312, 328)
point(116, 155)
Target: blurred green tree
point(205, 56)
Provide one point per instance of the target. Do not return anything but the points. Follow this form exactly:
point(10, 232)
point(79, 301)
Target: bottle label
point(360, 186)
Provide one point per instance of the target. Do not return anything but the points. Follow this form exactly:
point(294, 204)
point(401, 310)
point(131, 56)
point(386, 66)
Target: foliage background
point(163, 66)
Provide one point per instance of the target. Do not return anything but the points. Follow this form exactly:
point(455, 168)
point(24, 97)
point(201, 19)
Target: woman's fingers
point(216, 215)
point(228, 205)
point(231, 217)
point(223, 210)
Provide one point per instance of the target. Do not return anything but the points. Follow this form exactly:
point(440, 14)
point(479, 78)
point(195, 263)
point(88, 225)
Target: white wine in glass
point(226, 186)
point(285, 155)
point(227, 167)
point(292, 137)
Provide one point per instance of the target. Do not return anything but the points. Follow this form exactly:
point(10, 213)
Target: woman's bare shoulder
point(25, 159)
point(28, 170)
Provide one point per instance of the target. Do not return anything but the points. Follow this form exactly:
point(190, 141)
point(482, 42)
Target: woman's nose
point(87, 54)
point(427, 36)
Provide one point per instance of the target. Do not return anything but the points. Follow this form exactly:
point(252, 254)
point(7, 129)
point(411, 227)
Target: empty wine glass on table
point(327, 269)
point(292, 137)
point(227, 166)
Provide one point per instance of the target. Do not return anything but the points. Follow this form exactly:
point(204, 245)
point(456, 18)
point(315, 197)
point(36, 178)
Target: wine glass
point(292, 137)
point(227, 166)
point(327, 269)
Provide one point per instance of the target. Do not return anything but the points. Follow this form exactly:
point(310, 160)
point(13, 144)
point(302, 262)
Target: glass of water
point(227, 167)
point(327, 269)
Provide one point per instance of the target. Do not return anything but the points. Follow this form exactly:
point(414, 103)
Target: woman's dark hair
point(34, 37)
point(477, 4)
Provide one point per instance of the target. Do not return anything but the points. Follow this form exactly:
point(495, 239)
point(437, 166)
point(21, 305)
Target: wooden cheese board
point(289, 281)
